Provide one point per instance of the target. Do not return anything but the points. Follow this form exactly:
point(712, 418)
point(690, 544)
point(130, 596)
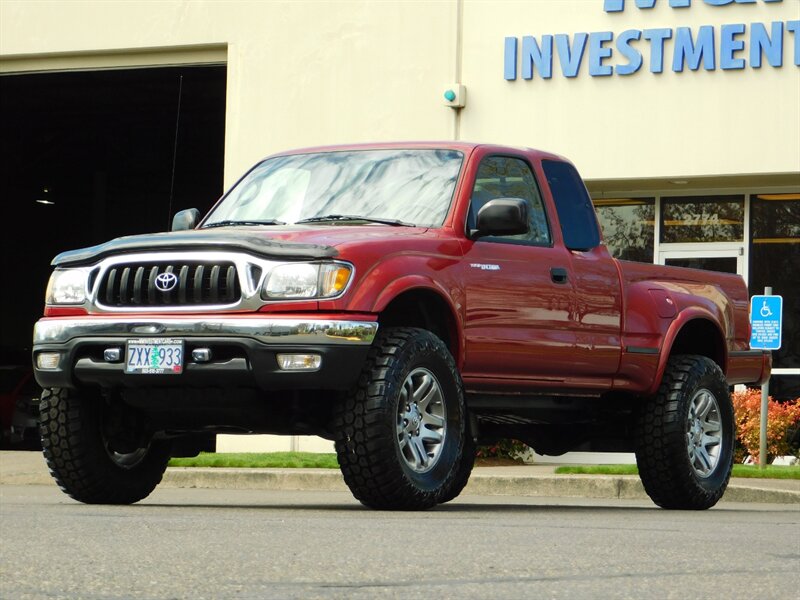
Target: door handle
point(558, 275)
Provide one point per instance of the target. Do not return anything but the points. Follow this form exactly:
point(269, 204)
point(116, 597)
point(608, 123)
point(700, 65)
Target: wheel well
point(424, 309)
point(700, 336)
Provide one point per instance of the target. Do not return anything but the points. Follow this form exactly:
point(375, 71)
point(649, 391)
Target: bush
point(509, 449)
point(783, 420)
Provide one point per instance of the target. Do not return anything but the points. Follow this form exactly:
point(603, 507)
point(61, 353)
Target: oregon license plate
point(154, 356)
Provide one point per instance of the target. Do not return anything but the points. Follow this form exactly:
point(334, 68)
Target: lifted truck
point(407, 301)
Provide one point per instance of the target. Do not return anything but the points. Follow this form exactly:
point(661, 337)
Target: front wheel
point(400, 435)
point(98, 454)
point(684, 438)
point(464, 470)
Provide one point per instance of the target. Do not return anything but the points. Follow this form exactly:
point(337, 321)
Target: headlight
point(306, 280)
point(67, 286)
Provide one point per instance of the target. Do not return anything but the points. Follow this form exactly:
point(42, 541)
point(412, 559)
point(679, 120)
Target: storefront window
point(775, 262)
point(690, 219)
point(628, 226)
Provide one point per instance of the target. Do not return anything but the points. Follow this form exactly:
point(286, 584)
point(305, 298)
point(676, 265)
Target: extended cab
point(407, 301)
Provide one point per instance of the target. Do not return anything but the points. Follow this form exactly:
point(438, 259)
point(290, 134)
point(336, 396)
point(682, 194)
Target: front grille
point(134, 285)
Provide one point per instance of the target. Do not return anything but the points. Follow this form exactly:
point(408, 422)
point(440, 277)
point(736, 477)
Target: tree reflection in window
point(775, 262)
point(628, 226)
point(507, 177)
point(690, 219)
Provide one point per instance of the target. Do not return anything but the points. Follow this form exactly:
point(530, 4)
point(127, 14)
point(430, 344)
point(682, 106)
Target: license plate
point(154, 356)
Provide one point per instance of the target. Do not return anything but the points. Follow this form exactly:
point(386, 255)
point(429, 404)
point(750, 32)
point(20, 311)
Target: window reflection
point(507, 177)
point(775, 262)
point(628, 226)
point(775, 218)
point(413, 186)
point(702, 219)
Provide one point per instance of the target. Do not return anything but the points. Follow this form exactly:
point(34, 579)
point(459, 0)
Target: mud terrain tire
point(80, 458)
point(400, 434)
point(684, 436)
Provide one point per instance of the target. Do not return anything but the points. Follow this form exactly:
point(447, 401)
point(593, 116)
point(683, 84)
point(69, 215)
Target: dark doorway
point(88, 156)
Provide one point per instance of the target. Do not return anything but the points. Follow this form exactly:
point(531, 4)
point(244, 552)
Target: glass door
point(703, 232)
point(726, 261)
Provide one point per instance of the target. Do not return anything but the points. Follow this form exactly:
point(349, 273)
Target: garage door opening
point(88, 156)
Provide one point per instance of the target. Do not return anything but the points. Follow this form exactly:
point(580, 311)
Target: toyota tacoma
point(407, 301)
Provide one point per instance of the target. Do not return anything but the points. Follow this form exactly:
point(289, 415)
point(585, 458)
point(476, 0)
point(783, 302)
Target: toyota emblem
point(166, 281)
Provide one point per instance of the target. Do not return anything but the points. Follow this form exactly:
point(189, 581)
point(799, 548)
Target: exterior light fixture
point(455, 96)
point(44, 198)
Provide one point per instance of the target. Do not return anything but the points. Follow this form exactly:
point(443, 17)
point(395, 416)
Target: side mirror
point(502, 216)
point(185, 219)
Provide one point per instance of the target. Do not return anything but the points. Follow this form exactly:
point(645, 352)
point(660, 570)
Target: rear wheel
point(400, 435)
point(97, 453)
point(684, 445)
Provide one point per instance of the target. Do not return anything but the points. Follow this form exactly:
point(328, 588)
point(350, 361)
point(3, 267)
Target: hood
point(286, 243)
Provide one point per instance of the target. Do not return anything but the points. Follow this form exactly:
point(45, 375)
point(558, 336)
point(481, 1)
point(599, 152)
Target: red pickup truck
point(407, 301)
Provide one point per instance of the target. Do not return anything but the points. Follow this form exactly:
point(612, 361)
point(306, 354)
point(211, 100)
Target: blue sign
point(766, 319)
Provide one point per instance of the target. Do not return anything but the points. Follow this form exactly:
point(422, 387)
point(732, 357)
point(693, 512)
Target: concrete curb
point(480, 484)
point(485, 481)
point(322, 480)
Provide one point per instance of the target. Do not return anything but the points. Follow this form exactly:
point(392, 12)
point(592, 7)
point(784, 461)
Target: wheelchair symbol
point(765, 311)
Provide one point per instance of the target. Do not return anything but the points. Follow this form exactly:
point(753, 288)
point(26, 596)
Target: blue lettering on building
point(691, 51)
point(631, 54)
point(619, 5)
point(730, 44)
point(570, 55)
point(766, 44)
point(729, 47)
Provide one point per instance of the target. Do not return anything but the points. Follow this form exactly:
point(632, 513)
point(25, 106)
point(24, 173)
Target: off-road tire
point(664, 431)
point(366, 423)
point(70, 426)
point(464, 470)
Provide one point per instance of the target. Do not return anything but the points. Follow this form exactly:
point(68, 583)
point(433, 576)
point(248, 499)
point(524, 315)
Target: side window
point(575, 210)
point(506, 177)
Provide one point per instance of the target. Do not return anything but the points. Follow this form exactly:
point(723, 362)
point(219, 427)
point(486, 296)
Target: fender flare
point(410, 283)
point(685, 317)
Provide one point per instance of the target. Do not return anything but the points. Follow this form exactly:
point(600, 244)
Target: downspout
point(458, 63)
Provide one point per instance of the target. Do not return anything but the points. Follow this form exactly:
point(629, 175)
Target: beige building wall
point(642, 125)
point(299, 73)
point(306, 73)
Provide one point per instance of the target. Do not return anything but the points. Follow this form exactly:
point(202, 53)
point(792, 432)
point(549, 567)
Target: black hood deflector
point(196, 239)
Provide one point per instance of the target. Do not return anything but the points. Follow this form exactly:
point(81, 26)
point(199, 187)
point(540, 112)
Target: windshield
point(407, 186)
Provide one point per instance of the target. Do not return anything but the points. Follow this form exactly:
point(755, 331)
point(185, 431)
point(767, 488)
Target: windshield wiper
point(230, 222)
point(393, 222)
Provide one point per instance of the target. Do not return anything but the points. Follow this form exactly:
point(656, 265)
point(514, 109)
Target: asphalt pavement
point(29, 468)
point(229, 543)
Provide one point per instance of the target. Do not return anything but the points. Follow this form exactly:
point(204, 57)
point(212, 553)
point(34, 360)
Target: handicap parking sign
point(766, 316)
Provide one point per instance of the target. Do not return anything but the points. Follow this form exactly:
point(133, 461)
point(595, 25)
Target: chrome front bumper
point(243, 351)
point(267, 330)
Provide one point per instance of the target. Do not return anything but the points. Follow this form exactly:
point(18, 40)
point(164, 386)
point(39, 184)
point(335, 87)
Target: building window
point(775, 262)
point(628, 226)
point(691, 219)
